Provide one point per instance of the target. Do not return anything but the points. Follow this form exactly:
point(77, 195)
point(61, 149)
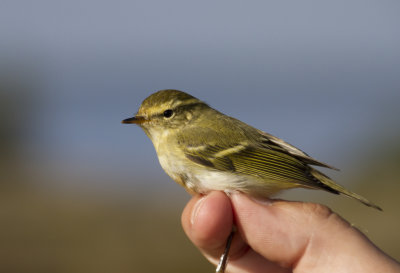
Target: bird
point(205, 150)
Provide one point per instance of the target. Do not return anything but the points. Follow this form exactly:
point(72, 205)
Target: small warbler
point(204, 150)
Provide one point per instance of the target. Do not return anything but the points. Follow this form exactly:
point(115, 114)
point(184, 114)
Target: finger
point(290, 233)
point(207, 220)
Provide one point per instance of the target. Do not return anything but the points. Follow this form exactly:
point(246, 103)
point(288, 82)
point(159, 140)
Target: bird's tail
point(330, 185)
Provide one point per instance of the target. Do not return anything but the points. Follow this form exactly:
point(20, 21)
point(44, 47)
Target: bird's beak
point(135, 120)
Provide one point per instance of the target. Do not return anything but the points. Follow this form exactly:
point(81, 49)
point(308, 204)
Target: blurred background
point(80, 192)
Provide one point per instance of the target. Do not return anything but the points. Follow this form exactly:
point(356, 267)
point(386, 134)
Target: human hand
point(280, 236)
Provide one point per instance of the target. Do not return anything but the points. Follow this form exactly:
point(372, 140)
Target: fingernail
point(196, 209)
point(262, 201)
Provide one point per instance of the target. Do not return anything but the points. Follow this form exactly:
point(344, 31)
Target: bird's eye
point(168, 113)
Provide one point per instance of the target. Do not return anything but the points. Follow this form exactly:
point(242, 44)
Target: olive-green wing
point(234, 153)
point(253, 161)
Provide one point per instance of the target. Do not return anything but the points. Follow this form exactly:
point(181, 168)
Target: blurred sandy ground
point(79, 192)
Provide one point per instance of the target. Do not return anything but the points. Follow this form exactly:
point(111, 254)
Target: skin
point(280, 236)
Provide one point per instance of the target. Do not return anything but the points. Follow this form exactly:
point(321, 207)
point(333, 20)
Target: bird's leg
point(224, 257)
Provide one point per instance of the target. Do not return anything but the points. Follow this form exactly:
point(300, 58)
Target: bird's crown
point(166, 99)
